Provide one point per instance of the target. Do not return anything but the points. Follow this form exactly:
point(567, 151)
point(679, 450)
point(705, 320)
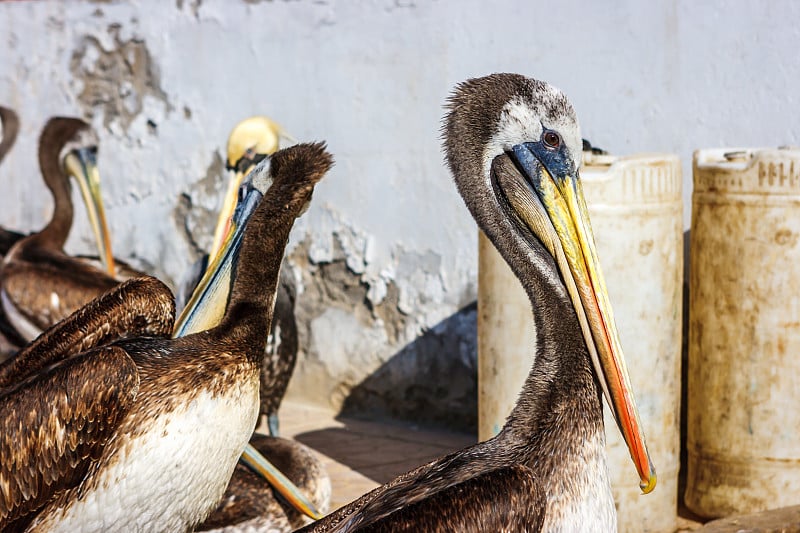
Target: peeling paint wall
point(386, 257)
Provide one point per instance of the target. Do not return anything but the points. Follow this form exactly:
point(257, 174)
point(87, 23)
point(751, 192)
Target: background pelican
point(40, 283)
point(113, 449)
point(251, 504)
point(9, 128)
point(250, 142)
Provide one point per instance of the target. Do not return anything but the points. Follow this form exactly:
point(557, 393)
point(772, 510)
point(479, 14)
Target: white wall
point(370, 77)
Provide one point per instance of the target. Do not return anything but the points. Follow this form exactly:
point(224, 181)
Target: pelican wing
point(506, 499)
point(137, 307)
point(56, 423)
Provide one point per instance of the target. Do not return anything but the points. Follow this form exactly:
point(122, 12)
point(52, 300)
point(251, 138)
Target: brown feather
point(45, 451)
point(281, 353)
point(141, 306)
point(172, 372)
point(499, 500)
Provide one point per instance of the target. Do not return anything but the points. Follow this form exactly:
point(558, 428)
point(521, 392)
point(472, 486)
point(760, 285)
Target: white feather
point(174, 474)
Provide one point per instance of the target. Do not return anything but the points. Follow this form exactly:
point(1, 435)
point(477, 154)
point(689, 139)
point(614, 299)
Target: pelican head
point(249, 143)
point(78, 160)
point(514, 147)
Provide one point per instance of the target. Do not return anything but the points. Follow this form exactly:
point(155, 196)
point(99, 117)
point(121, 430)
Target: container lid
point(634, 179)
point(748, 170)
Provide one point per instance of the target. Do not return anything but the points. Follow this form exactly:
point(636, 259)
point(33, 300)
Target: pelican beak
point(207, 305)
point(549, 201)
point(81, 164)
point(223, 227)
point(280, 482)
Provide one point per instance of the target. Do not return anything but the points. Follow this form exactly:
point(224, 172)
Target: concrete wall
point(386, 257)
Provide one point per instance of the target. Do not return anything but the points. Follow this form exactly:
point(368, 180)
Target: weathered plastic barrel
point(744, 340)
point(636, 213)
point(506, 339)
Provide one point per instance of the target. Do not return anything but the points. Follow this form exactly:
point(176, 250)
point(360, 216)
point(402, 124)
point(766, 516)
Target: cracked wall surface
point(386, 257)
point(115, 82)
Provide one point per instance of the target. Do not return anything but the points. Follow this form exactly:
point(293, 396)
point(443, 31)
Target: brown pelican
point(210, 298)
point(40, 283)
point(9, 128)
point(514, 149)
point(10, 340)
point(250, 142)
point(144, 433)
point(250, 504)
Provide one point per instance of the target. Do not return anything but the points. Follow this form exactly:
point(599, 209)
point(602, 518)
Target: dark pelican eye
point(551, 139)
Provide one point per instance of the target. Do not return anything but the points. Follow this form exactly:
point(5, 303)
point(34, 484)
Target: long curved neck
point(255, 280)
point(556, 426)
point(560, 399)
point(10, 130)
point(559, 409)
point(57, 230)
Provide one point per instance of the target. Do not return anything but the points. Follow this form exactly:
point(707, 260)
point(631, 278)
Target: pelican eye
point(551, 139)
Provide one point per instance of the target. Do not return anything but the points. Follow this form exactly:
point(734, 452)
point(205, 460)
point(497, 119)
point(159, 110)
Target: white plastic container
point(744, 371)
point(635, 209)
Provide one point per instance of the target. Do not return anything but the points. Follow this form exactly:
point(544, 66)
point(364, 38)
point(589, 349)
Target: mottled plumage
point(63, 396)
point(182, 410)
point(280, 354)
point(546, 469)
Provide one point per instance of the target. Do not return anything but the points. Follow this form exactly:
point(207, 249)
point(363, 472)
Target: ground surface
point(360, 455)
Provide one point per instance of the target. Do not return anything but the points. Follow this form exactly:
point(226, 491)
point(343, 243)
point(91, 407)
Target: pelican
point(9, 128)
point(40, 283)
point(246, 146)
point(249, 503)
point(514, 149)
point(144, 433)
point(250, 141)
point(10, 340)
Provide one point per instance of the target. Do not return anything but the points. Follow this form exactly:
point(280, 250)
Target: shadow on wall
point(431, 381)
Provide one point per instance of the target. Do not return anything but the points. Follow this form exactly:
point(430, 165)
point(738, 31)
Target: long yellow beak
point(223, 227)
point(573, 247)
point(206, 307)
point(81, 164)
